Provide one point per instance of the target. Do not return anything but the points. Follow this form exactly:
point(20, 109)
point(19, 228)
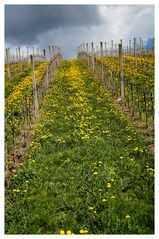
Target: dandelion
point(95, 173)
point(83, 231)
point(108, 185)
point(62, 232)
point(68, 232)
point(104, 200)
point(27, 181)
point(112, 197)
point(91, 208)
point(127, 216)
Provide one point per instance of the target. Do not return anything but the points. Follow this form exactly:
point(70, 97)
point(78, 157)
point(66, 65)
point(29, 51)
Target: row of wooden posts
point(112, 49)
point(90, 59)
point(21, 57)
point(20, 120)
point(85, 55)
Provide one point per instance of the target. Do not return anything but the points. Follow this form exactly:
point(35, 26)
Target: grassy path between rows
point(86, 171)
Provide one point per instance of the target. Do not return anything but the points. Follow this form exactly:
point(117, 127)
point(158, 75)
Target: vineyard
point(79, 138)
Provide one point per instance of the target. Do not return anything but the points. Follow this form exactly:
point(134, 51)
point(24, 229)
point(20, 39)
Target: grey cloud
point(23, 23)
point(70, 25)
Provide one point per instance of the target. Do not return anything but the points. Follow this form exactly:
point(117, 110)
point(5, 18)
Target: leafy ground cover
point(10, 85)
point(87, 171)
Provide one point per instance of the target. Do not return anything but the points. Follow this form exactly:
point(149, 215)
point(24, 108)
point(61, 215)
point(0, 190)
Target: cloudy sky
point(70, 25)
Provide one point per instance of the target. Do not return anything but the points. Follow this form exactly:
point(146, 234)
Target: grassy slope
point(86, 168)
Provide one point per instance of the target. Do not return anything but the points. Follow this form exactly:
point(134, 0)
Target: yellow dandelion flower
point(83, 231)
point(104, 200)
point(91, 208)
point(95, 173)
point(62, 232)
point(112, 197)
point(108, 185)
point(127, 216)
point(68, 232)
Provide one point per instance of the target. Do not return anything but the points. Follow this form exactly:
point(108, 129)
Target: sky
point(70, 25)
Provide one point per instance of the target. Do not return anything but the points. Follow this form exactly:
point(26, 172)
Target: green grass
point(86, 168)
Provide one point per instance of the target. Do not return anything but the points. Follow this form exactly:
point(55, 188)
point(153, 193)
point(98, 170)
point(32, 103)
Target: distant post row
point(112, 49)
point(18, 54)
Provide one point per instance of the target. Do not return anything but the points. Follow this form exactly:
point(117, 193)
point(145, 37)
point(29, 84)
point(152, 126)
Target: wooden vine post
point(17, 54)
point(28, 55)
point(83, 45)
point(20, 60)
point(35, 96)
point(135, 52)
point(101, 50)
point(92, 56)
point(112, 48)
point(121, 73)
point(153, 45)
point(49, 52)
point(46, 70)
point(53, 50)
point(105, 44)
point(44, 56)
point(130, 46)
point(8, 64)
point(87, 53)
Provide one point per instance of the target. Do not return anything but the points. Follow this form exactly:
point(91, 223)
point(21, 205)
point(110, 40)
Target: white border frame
point(81, 2)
